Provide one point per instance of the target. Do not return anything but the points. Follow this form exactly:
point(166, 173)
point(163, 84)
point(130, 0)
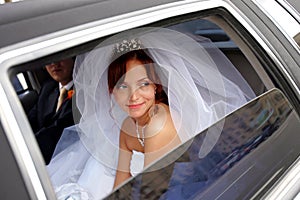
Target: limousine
point(257, 153)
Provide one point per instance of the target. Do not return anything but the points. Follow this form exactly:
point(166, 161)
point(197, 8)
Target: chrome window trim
point(281, 18)
point(45, 45)
point(266, 45)
point(288, 187)
point(290, 9)
point(269, 47)
point(16, 140)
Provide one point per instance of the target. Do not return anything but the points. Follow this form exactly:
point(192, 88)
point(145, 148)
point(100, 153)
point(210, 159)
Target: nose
point(58, 64)
point(134, 95)
point(53, 65)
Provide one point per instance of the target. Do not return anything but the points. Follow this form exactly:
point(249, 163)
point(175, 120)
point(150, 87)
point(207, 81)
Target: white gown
point(83, 171)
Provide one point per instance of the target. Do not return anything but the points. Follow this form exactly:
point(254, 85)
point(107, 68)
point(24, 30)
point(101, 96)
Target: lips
point(55, 71)
point(135, 106)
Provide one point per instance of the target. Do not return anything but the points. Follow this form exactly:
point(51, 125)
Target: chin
point(136, 114)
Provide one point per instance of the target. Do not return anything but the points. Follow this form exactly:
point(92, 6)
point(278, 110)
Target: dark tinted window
point(238, 165)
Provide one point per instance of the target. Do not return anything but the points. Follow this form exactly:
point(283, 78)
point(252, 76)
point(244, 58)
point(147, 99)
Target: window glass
point(235, 165)
point(231, 170)
point(22, 81)
point(210, 30)
point(19, 82)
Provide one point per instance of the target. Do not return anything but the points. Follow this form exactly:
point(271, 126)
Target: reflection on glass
point(244, 131)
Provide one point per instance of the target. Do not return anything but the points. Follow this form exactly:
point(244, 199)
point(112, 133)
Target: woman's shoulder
point(160, 120)
point(162, 113)
point(161, 135)
point(128, 127)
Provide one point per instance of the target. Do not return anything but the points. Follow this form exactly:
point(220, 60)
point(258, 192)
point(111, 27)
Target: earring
point(111, 109)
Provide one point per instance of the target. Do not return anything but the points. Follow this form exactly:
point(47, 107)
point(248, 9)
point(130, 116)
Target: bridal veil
point(201, 83)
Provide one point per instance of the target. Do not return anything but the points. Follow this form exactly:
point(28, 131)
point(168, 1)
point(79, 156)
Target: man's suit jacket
point(48, 124)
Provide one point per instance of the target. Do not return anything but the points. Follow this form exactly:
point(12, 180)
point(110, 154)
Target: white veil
point(201, 84)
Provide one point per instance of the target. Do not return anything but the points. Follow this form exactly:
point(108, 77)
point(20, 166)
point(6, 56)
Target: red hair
point(117, 69)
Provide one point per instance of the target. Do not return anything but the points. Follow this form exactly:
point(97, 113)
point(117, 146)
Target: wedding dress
point(74, 172)
point(202, 86)
point(84, 173)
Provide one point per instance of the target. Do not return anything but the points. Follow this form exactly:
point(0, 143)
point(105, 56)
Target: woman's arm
point(123, 171)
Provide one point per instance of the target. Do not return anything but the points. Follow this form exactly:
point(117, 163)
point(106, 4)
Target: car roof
point(29, 19)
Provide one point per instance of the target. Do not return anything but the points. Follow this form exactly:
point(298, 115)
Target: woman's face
point(136, 94)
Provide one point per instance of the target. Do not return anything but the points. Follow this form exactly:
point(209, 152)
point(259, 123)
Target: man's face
point(61, 71)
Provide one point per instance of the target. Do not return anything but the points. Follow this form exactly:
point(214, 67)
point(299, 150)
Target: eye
point(122, 86)
point(144, 83)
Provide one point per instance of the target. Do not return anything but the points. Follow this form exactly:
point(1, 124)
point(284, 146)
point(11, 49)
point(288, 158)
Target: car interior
point(248, 58)
point(213, 28)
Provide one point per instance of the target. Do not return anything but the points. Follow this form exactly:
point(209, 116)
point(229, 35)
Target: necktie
point(61, 97)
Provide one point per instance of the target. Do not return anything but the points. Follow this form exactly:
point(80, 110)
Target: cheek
point(48, 70)
point(67, 72)
point(120, 99)
point(149, 95)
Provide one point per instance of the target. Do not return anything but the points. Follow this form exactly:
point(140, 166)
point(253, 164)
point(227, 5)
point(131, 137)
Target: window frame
point(49, 46)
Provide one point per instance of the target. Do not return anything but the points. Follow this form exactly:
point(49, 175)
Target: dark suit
point(48, 124)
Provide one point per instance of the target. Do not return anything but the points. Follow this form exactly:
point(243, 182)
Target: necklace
point(140, 139)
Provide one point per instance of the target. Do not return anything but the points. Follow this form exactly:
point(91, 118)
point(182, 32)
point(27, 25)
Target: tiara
point(128, 45)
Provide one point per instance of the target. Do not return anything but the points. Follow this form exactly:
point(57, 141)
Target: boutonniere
point(70, 94)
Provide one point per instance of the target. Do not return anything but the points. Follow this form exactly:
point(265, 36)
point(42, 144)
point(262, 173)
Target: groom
point(53, 110)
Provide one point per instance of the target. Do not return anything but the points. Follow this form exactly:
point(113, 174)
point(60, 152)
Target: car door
point(251, 39)
point(257, 144)
point(13, 187)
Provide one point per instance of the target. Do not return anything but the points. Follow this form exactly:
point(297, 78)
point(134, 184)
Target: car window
point(210, 29)
point(19, 83)
point(213, 29)
point(246, 130)
point(258, 143)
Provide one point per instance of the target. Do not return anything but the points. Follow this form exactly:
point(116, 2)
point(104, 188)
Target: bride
point(140, 94)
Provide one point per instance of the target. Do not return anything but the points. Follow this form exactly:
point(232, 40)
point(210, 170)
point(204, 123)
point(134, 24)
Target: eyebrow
point(142, 79)
point(137, 80)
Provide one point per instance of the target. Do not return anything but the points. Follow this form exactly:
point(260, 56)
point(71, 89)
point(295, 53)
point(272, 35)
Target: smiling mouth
point(135, 106)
